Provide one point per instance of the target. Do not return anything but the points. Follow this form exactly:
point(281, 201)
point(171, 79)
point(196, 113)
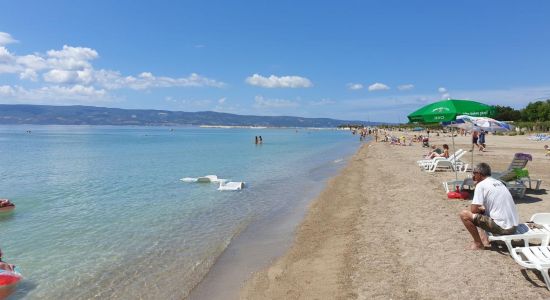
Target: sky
point(350, 60)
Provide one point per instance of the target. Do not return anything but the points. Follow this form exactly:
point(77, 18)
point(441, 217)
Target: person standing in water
point(5, 266)
point(256, 138)
point(261, 140)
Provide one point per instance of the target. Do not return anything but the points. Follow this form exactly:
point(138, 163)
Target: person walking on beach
point(475, 137)
point(481, 140)
point(492, 209)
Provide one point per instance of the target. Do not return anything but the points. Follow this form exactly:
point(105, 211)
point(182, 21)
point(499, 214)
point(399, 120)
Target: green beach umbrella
point(447, 110)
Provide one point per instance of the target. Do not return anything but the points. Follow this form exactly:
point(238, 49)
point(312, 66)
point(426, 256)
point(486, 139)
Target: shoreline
point(265, 239)
point(382, 228)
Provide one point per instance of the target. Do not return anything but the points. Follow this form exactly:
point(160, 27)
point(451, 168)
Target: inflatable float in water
point(8, 282)
point(203, 179)
point(231, 186)
point(9, 278)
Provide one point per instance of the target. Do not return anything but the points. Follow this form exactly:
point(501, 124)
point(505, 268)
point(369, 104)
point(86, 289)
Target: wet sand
point(384, 229)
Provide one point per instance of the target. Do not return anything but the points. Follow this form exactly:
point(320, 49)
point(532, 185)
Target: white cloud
point(322, 102)
point(5, 38)
point(445, 96)
point(262, 103)
point(61, 76)
point(146, 80)
point(6, 56)
point(7, 91)
point(69, 71)
point(29, 74)
point(378, 87)
point(442, 90)
point(71, 58)
point(7, 62)
point(55, 93)
point(405, 87)
point(279, 82)
point(355, 86)
point(221, 100)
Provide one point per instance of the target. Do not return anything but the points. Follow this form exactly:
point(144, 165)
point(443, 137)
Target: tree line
point(538, 111)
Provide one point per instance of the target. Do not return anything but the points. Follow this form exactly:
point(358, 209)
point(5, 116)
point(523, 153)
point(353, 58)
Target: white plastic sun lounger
point(532, 257)
point(537, 257)
point(448, 164)
point(441, 163)
point(524, 233)
point(425, 163)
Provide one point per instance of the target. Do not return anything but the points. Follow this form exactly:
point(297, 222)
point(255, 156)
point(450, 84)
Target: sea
point(101, 211)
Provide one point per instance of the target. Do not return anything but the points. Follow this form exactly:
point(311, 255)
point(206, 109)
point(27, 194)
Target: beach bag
point(457, 194)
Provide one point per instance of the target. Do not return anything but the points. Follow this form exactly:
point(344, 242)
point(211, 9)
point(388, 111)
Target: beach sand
point(384, 229)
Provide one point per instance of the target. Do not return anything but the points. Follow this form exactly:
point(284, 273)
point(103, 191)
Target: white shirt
point(498, 202)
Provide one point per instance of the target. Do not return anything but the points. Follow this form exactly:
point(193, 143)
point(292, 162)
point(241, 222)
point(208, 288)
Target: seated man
point(5, 266)
point(492, 209)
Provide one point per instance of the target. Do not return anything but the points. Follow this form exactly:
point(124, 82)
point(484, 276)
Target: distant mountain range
point(91, 115)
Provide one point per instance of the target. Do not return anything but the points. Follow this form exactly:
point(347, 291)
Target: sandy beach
point(385, 229)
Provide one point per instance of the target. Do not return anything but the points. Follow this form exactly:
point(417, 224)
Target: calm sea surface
point(101, 211)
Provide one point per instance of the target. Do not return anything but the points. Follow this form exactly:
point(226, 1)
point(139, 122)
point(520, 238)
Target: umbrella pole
point(454, 151)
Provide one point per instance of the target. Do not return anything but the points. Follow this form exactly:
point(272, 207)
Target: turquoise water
point(101, 211)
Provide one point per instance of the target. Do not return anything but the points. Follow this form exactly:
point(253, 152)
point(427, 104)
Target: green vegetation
point(538, 111)
point(534, 117)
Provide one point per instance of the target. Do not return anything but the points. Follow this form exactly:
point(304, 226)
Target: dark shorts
point(474, 140)
point(486, 223)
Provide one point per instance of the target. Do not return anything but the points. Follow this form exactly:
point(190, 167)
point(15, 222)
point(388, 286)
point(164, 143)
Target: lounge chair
point(425, 163)
point(442, 163)
point(517, 186)
point(450, 164)
point(525, 234)
point(535, 257)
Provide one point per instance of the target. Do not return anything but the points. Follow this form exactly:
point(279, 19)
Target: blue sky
point(354, 60)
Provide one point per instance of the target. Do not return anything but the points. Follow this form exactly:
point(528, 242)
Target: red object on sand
point(454, 195)
point(458, 195)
